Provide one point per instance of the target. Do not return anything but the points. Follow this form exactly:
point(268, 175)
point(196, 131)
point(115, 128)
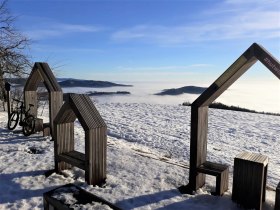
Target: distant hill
point(96, 93)
point(89, 83)
point(72, 83)
point(17, 81)
point(185, 89)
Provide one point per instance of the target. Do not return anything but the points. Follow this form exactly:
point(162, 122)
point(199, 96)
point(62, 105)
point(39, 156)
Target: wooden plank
point(38, 125)
point(63, 143)
point(267, 59)
point(82, 197)
point(198, 145)
point(72, 159)
point(77, 155)
point(86, 112)
point(235, 71)
point(30, 97)
point(52, 203)
point(277, 198)
point(213, 169)
point(55, 103)
point(46, 129)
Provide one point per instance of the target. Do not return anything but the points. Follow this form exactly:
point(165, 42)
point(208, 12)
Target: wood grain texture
point(93, 161)
point(249, 180)
point(277, 197)
point(199, 115)
point(41, 72)
point(81, 196)
point(220, 171)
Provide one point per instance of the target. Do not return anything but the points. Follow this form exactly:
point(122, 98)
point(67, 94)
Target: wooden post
point(199, 126)
point(277, 198)
point(8, 88)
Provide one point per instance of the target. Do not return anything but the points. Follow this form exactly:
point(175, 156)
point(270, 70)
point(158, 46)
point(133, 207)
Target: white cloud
point(58, 49)
point(54, 29)
point(230, 21)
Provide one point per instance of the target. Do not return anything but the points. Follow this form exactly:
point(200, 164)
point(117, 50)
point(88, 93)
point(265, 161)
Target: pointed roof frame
point(41, 72)
point(199, 108)
point(254, 53)
point(81, 107)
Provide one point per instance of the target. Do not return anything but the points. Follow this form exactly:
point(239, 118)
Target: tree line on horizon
point(218, 105)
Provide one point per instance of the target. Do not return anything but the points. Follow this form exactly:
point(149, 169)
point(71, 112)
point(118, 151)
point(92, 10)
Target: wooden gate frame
point(93, 161)
point(199, 108)
point(41, 72)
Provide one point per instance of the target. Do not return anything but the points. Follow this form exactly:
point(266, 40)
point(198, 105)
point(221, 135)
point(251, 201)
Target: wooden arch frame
point(93, 160)
point(199, 108)
point(41, 72)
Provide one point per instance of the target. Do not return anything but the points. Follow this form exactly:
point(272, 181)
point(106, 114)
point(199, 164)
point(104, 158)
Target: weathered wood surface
point(82, 197)
point(63, 143)
point(46, 129)
point(277, 198)
point(93, 161)
point(249, 180)
point(199, 115)
point(220, 171)
point(199, 119)
point(41, 72)
point(38, 125)
point(73, 158)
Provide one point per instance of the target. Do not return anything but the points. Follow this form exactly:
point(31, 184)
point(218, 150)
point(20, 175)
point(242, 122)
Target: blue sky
point(161, 40)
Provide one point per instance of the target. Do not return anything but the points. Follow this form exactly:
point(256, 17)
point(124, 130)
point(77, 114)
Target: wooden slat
point(199, 126)
point(86, 112)
point(82, 197)
point(277, 198)
point(38, 125)
point(267, 59)
point(210, 168)
point(73, 159)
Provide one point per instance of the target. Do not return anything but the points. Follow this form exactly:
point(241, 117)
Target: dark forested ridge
point(89, 83)
point(73, 83)
point(181, 90)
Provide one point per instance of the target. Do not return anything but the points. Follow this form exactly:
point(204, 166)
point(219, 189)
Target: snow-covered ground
point(148, 157)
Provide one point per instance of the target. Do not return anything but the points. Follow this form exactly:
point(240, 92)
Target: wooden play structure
point(93, 161)
point(41, 72)
point(199, 114)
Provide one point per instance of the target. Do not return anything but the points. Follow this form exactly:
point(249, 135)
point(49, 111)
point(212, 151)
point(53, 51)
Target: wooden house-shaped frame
point(199, 109)
point(41, 72)
point(93, 161)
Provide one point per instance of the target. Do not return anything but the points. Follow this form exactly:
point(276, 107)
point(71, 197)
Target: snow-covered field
point(148, 157)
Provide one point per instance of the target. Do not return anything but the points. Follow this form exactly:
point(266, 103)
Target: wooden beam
point(267, 59)
point(198, 145)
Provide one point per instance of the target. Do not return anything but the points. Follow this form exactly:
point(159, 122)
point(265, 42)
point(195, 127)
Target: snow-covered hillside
point(148, 157)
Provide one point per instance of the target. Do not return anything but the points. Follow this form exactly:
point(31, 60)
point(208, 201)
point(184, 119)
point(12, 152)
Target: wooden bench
point(81, 196)
point(277, 198)
point(220, 171)
point(249, 180)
